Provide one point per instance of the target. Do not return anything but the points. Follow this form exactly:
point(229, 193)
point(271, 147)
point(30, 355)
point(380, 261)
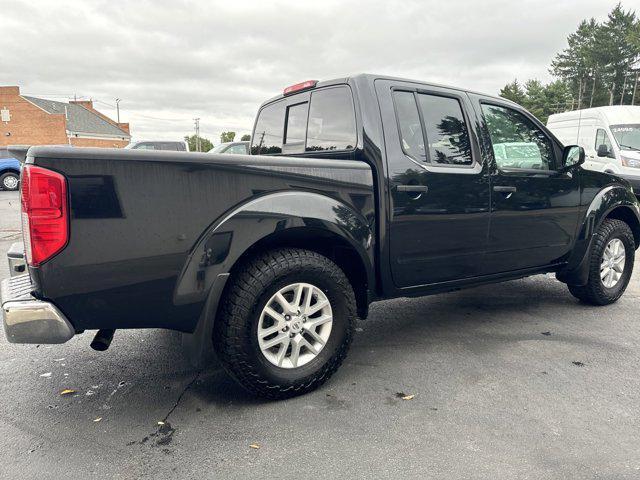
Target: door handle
point(504, 189)
point(413, 188)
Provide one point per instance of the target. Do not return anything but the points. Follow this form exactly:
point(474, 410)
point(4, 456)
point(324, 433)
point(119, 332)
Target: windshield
point(219, 148)
point(627, 136)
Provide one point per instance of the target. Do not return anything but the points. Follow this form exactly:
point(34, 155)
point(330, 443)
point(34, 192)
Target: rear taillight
point(45, 215)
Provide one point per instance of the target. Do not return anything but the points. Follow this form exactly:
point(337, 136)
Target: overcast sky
point(172, 61)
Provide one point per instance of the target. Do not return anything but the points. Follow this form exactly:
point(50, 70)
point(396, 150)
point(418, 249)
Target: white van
point(610, 137)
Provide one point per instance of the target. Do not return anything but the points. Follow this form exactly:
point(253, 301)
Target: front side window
point(239, 149)
point(517, 141)
point(269, 130)
point(332, 122)
point(602, 139)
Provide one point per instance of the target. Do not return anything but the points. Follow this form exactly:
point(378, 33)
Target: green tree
point(617, 53)
point(599, 66)
point(578, 64)
point(227, 137)
point(245, 138)
point(514, 92)
point(205, 143)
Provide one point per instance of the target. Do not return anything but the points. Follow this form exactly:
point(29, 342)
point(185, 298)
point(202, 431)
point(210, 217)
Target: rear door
point(534, 205)
point(438, 183)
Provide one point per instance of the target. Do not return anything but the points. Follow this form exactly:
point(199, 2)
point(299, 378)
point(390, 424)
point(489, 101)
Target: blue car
point(9, 171)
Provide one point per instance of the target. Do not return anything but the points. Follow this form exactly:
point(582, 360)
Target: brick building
point(28, 120)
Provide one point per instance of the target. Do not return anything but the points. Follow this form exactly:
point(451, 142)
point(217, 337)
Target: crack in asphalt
point(164, 430)
point(179, 399)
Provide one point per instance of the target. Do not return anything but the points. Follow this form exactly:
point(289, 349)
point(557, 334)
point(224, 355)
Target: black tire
point(595, 292)
point(8, 175)
point(251, 286)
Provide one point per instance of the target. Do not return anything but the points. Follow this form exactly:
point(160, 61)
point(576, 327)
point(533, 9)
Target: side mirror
point(603, 151)
point(572, 156)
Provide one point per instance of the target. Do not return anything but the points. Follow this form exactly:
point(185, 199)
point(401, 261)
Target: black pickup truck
point(356, 190)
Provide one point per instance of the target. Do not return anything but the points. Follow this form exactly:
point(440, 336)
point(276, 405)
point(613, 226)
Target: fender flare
point(228, 238)
point(606, 201)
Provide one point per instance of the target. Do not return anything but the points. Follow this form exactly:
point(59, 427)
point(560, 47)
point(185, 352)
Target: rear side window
point(332, 123)
point(409, 125)
point(325, 123)
point(447, 134)
point(433, 128)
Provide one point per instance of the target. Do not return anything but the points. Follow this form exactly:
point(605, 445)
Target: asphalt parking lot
point(516, 380)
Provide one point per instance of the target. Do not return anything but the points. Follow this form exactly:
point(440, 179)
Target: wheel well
point(627, 216)
point(325, 243)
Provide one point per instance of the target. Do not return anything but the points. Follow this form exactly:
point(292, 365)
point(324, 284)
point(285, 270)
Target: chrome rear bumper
point(29, 320)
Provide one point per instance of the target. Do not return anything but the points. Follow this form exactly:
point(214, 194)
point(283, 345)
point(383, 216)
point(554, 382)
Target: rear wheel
point(285, 323)
point(9, 181)
point(610, 264)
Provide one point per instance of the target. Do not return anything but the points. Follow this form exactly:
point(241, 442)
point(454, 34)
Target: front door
point(534, 204)
point(439, 186)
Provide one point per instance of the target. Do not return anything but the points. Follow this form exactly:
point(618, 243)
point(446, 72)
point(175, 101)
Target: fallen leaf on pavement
point(67, 391)
point(255, 446)
point(404, 396)
point(97, 419)
point(161, 423)
point(45, 375)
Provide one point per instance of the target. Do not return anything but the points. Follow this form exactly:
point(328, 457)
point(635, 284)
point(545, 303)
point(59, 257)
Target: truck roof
point(370, 77)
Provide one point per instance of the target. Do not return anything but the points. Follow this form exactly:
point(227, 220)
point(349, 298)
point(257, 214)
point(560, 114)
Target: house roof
point(79, 118)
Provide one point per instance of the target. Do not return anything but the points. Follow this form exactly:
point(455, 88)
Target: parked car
point(609, 135)
point(9, 171)
point(171, 145)
point(357, 190)
point(235, 148)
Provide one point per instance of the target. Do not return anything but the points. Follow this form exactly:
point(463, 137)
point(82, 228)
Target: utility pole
point(118, 108)
point(635, 87)
point(624, 87)
point(197, 125)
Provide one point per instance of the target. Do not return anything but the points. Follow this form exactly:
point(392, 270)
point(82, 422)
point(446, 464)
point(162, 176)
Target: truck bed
point(138, 220)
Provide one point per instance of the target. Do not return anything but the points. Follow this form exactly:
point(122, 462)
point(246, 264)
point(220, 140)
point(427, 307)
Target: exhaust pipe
point(102, 340)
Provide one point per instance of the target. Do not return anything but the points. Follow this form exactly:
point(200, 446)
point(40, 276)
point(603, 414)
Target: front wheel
point(9, 181)
point(610, 264)
point(285, 323)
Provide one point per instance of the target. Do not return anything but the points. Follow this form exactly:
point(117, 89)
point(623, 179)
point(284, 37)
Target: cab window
point(517, 142)
point(332, 122)
point(448, 139)
point(267, 138)
point(325, 123)
point(296, 123)
point(433, 128)
point(602, 139)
